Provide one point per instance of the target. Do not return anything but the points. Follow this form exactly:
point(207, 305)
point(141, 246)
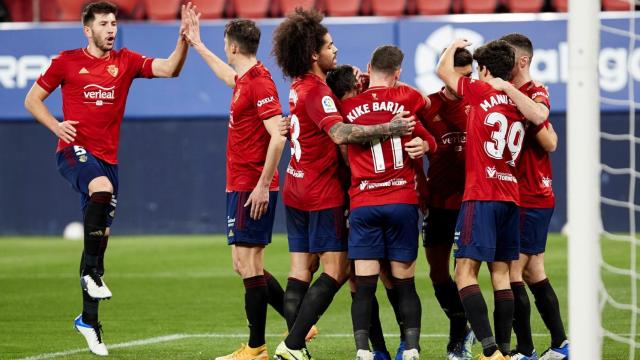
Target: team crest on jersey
point(82, 158)
point(328, 105)
point(374, 96)
point(546, 182)
point(112, 70)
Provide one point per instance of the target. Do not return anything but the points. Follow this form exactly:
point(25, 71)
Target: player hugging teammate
point(488, 192)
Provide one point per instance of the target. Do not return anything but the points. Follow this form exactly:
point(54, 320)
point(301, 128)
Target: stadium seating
point(288, 6)
point(210, 9)
point(388, 8)
point(130, 9)
point(251, 8)
point(342, 7)
point(560, 5)
point(616, 5)
point(529, 6)
point(479, 6)
point(162, 9)
point(433, 7)
point(69, 10)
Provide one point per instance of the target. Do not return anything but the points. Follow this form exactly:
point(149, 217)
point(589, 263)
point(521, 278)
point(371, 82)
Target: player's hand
point(498, 84)
point(284, 126)
point(259, 201)
point(416, 147)
point(460, 43)
point(193, 29)
point(184, 13)
point(66, 131)
point(402, 124)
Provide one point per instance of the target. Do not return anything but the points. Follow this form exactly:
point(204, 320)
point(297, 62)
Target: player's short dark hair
point(341, 80)
point(498, 57)
point(462, 57)
point(245, 33)
point(101, 7)
point(296, 39)
point(520, 42)
point(387, 59)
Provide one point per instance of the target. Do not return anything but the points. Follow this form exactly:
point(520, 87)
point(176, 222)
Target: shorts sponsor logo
point(366, 185)
point(231, 222)
point(96, 94)
point(265, 101)
point(328, 105)
point(295, 173)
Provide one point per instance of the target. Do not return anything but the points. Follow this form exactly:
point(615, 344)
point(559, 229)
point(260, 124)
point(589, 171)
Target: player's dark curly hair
point(462, 57)
point(520, 42)
point(296, 39)
point(245, 33)
point(498, 57)
point(387, 59)
point(101, 7)
point(341, 80)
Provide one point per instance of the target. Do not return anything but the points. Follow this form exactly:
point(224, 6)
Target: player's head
point(301, 43)
point(386, 61)
point(99, 24)
point(462, 64)
point(495, 59)
point(342, 81)
point(523, 50)
point(241, 37)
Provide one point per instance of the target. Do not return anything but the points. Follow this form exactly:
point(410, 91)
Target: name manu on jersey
point(498, 99)
point(389, 106)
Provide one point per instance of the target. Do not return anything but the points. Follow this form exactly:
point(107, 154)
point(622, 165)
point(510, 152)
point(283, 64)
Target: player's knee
point(300, 274)
point(100, 184)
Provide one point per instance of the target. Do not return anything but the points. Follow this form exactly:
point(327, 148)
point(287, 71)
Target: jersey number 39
point(511, 136)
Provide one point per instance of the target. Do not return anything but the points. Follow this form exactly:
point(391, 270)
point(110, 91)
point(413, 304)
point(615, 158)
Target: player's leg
point(366, 280)
point(275, 292)
point(366, 247)
point(475, 241)
point(87, 175)
point(522, 305)
point(503, 305)
point(392, 296)
point(438, 233)
point(327, 237)
point(521, 308)
point(548, 306)
point(248, 238)
point(401, 238)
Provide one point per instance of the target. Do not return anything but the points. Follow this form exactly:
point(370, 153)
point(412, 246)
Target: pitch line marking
point(174, 337)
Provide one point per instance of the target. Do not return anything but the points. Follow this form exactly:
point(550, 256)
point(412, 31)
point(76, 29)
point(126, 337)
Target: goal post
point(583, 179)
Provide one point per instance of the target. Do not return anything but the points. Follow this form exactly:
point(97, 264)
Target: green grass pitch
point(176, 297)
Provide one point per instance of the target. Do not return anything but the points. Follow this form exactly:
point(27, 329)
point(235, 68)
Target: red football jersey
point(495, 133)
point(255, 99)
point(447, 120)
point(534, 168)
point(94, 92)
point(381, 171)
point(312, 182)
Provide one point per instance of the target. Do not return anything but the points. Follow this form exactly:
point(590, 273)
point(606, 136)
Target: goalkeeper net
point(620, 200)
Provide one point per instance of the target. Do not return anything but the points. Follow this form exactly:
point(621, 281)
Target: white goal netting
point(620, 195)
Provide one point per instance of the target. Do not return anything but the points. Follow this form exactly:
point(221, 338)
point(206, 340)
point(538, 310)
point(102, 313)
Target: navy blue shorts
point(488, 231)
point(241, 228)
point(534, 226)
point(384, 232)
point(79, 167)
point(317, 231)
point(438, 227)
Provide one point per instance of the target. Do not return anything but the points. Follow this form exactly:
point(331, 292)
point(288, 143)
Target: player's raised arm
point(400, 125)
point(222, 70)
point(171, 66)
point(446, 70)
point(533, 111)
